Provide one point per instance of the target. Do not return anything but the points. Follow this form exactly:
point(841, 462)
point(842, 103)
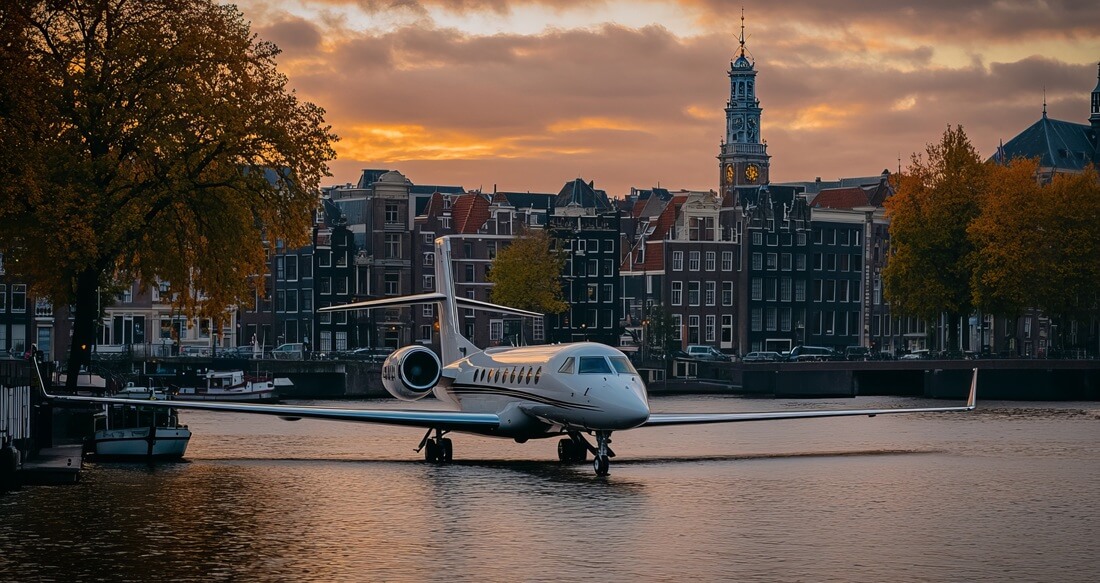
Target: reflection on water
point(1002, 494)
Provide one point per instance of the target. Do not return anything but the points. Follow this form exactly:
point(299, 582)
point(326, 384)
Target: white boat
point(231, 386)
point(136, 433)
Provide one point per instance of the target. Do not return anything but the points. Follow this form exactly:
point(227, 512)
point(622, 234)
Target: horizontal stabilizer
point(394, 302)
point(486, 306)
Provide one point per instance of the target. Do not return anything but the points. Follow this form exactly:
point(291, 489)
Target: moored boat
point(231, 385)
point(136, 433)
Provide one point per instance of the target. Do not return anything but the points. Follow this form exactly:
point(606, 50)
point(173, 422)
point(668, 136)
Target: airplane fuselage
point(544, 391)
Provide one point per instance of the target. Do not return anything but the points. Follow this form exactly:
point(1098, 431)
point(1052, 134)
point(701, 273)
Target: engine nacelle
point(410, 373)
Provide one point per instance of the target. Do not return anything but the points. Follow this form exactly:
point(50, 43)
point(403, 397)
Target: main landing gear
point(436, 449)
point(575, 449)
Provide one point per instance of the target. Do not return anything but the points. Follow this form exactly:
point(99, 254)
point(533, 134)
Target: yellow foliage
point(527, 274)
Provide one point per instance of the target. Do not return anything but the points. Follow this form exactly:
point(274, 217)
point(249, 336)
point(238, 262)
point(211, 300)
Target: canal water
point(1006, 493)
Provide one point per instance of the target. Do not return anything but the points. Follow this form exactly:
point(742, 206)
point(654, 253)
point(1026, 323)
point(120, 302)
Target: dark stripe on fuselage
point(469, 389)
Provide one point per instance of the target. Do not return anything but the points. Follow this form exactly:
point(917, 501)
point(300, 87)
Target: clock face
point(752, 172)
point(729, 173)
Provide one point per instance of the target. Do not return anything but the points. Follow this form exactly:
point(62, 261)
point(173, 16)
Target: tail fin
point(452, 342)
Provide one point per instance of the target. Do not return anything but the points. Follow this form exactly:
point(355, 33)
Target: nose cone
point(632, 408)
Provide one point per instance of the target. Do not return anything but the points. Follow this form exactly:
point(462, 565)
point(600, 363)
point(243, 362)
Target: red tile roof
point(840, 198)
point(469, 212)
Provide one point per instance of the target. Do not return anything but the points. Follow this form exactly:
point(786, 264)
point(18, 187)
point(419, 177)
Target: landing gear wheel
point(565, 451)
point(601, 464)
point(446, 449)
point(431, 451)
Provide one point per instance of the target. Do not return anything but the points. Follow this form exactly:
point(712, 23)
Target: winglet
point(972, 400)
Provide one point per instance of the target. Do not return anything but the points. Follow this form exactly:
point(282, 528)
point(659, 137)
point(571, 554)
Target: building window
point(758, 261)
point(538, 329)
point(800, 290)
point(770, 289)
point(727, 293)
point(393, 246)
point(709, 292)
point(708, 332)
point(426, 333)
point(677, 327)
point(773, 261)
point(608, 292)
point(428, 311)
point(800, 262)
point(608, 267)
point(711, 256)
point(341, 341)
point(693, 329)
point(727, 261)
point(757, 320)
point(341, 258)
point(785, 289)
point(429, 259)
point(757, 292)
point(771, 319)
point(785, 261)
point(392, 284)
point(280, 268)
point(677, 292)
point(593, 293)
point(727, 330)
point(491, 249)
point(757, 238)
point(693, 261)
point(326, 285)
point(391, 213)
point(429, 282)
point(785, 319)
point(470, 272)
point(693, 293)
point(677, 260)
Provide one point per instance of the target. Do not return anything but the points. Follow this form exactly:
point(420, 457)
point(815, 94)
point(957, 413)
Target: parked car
point(916, 355)
point(195, 351)
point(762, 356)
point(704, 352)
point(857, 353)
point(812, 354)
point(289, 351)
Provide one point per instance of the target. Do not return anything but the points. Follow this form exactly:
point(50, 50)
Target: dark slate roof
point(1061, 145)
point(432, 189)
point(582, 194)
point(369, 177)
point(812, 187)
point(529, 200)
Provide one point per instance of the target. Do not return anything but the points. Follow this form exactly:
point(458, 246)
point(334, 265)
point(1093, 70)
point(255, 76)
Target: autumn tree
point(159, 143)
point(936, 198)
point(1006, 241)
point(1067, 218)
point(527, 274)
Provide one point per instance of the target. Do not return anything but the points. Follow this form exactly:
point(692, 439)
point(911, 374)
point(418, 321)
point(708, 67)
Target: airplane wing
point(446, 420)
point(666, 419)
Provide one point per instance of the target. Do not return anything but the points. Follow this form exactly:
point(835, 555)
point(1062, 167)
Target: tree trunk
point(85, 316)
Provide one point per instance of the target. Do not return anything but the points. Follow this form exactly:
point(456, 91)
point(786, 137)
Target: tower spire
point(1044, 101)
point(741, 38)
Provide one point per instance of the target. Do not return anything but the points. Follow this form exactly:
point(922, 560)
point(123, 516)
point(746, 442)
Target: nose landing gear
point(602, 462)
point(573, 450)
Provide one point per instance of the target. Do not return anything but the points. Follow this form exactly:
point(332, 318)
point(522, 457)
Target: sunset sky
point(528, 94)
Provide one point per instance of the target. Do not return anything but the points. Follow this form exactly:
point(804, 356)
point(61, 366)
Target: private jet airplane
point(519, 393)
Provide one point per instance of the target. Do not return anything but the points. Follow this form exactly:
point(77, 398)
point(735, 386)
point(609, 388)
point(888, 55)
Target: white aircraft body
point(520, 393)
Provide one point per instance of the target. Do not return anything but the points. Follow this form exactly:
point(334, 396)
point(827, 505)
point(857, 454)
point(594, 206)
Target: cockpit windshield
point(622, 365)
point(593, 365)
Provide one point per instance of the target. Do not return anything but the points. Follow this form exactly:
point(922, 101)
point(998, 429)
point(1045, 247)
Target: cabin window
point(529, 373)
point(594, 365)
point(567, 366)
point(538, 373)
point(512, 378)
point(496, 376)
point(622, 365)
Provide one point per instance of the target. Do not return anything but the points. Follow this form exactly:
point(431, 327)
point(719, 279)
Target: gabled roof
point(1061, 145)
point(841, 198)
point(583, 194)
point(469, 212)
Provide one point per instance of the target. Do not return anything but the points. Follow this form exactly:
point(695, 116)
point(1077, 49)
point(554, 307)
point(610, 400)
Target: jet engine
point(411, 372)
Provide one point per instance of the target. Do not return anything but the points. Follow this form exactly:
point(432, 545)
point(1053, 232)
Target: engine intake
point(410, 373)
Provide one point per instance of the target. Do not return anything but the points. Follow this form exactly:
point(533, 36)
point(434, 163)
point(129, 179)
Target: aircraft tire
point(446, 450)
point(601, 464)
point(431, 451)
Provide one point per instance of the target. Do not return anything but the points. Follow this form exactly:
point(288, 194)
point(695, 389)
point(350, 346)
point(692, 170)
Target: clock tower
point(743, 160)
